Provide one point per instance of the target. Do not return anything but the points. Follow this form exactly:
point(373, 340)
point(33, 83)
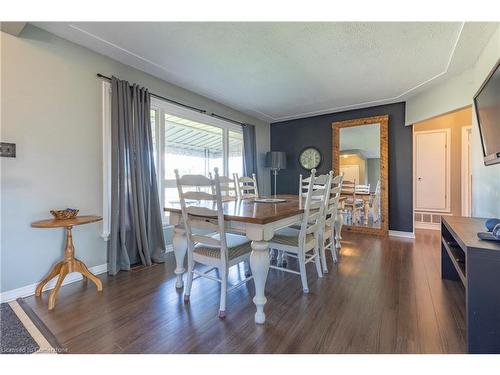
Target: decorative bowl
point(67, 213)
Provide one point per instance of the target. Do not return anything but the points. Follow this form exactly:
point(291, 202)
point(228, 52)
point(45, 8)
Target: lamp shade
point(276, 160)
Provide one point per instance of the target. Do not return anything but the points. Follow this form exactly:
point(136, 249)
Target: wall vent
point(428, 220)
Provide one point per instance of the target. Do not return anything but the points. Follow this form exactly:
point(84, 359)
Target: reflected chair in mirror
point(246, 187)
point(327, 239)
point(202, 212)
point(353, 206)
point(362, 189)
point(302, 243)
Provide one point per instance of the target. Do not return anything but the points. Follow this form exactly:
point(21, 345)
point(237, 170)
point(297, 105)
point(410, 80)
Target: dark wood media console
point(476, 264)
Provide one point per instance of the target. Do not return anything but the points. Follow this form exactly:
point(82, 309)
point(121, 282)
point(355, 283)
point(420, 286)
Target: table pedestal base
point(62, 268)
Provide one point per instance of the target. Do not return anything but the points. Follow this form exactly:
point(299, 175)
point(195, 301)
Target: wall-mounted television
point(487, 105)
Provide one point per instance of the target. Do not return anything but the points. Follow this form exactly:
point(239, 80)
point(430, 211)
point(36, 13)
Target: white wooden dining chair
point(228, 187)
point(303, 243)
point(327, 239)
point(202, 212)
point(246, 187)
point(319, 183)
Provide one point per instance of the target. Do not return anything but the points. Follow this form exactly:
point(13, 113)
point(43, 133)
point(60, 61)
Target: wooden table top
point(55, 223)
point(249, 211)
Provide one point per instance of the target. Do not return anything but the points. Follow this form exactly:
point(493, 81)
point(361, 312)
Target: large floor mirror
point(360, 153)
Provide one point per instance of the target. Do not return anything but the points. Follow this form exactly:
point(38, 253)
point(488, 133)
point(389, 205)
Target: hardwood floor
point(384, 296)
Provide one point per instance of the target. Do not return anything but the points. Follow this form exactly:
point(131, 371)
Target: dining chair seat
point(237, 246)
point(290, 237)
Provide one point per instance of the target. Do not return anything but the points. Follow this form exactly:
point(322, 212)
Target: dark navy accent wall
point(294, 135)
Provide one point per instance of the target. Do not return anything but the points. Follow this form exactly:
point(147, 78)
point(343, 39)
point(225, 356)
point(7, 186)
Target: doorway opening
point(441, 168)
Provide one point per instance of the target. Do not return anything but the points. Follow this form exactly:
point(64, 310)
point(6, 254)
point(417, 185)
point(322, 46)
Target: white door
point(432, 168)
point(350, 172)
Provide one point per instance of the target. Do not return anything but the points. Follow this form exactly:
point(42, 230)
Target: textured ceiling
point(279, 71)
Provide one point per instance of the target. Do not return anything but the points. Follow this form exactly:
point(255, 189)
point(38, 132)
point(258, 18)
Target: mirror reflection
point(359, 162)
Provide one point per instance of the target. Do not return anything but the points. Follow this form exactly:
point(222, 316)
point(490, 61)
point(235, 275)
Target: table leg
point(179, 242)
point(53, 295)
point(82, 268)
point(53, 273)
point(259, 262)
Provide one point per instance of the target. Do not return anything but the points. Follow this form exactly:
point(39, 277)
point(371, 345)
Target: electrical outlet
point(7, 150)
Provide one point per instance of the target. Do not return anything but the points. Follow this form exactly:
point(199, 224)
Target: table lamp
point(275, 160)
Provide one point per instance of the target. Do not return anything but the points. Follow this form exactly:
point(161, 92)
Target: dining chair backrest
point(363, 189)
point(319, 183)
point(202, 210)
point(330, 213)
point(246, 187)
point(348, 187)
point(313, 206)
point(227, 187)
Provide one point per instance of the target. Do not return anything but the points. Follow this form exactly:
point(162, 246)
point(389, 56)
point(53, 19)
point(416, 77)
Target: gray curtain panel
point(249, 150)
point(136, 226)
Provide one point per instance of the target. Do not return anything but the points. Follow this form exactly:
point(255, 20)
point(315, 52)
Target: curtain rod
point(102, 76)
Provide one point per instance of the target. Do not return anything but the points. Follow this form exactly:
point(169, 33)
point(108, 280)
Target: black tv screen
point(487, 104)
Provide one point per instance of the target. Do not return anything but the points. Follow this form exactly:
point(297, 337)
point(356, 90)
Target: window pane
point(235, 162)
point(192, 148)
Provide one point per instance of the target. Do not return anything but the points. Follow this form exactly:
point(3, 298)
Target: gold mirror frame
point(384, 167)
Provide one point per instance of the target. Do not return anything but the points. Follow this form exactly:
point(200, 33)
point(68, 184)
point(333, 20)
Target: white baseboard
point(397, 233)
point(432, 226)
point(29, 290)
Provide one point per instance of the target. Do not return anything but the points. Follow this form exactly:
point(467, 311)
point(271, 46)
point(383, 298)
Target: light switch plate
point(7, 150)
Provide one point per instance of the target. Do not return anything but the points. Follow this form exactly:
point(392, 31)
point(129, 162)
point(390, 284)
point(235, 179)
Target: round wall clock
point(310, 158)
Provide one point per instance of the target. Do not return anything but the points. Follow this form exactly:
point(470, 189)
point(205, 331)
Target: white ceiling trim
point(120, 48)
point(147, 61)
point(378, 101)
point(268, 117)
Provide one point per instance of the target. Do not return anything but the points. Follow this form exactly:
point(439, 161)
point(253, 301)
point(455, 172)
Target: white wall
point(456, 93)
point(51, 108)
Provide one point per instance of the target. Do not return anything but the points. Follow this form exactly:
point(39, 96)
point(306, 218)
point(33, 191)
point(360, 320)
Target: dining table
point(258, 222)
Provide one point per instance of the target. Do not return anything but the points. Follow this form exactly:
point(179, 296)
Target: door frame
point(447, 209)
point(466, 182)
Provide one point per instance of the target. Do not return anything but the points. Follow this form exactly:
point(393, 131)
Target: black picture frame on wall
point(317, 150)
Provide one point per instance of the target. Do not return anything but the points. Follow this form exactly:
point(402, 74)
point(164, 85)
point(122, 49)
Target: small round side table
point(70, 263)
